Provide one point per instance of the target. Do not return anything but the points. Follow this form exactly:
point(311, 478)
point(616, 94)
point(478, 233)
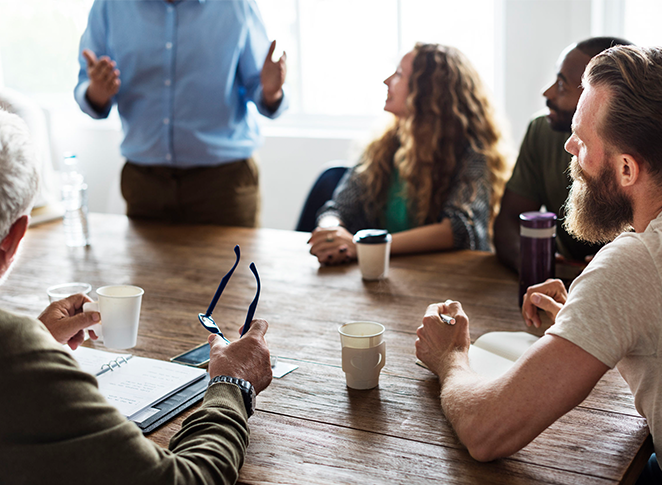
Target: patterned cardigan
point(467, 205)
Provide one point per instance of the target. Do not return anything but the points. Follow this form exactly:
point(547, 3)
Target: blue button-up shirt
point(188, 70)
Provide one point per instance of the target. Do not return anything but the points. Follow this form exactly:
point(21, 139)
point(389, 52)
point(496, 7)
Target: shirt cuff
point(264, 110)
point(85, 106)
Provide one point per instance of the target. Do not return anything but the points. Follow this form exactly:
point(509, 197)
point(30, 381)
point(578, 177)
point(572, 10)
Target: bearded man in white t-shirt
point(612, 315)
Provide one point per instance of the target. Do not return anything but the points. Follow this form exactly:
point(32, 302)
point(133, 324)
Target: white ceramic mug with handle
point(363, 353)
point(119, 306)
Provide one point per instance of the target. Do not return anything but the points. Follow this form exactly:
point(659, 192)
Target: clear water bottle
point(537, 249)
point(74, 199)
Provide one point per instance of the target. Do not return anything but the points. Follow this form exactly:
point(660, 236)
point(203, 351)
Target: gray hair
point(19, 178)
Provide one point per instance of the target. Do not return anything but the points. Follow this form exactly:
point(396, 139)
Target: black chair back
point(322, 191)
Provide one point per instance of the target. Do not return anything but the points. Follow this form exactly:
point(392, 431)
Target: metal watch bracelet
point(246, 388)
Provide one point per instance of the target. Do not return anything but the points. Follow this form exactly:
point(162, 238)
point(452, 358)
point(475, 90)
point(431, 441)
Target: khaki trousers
point(226, 195)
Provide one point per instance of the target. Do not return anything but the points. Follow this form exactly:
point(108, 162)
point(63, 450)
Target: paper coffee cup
point(373, 250)
point(363, 353)
point(120, 315)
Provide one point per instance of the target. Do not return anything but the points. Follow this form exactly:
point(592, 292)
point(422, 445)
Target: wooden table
point(309, 427)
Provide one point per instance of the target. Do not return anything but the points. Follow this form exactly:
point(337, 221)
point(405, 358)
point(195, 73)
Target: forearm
point(98, 101)
point(430, 238)
point(213, 440)
point(80, 94)
point(471, 404)
point(272, 101)
point(496, 418)
point(271, 106)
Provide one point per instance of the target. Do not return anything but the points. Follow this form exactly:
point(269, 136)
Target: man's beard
point(564, 118)
point(597, 210)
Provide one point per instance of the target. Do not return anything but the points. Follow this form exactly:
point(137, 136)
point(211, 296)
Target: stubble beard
point(597, 210)
point(563, 122)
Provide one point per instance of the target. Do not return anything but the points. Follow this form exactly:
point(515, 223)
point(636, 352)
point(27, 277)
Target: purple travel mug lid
point(537, 220)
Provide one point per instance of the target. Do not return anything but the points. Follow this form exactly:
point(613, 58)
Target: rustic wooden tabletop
point(309, 427)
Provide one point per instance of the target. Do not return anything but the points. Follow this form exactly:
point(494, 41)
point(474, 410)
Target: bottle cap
point(537, 220)
point(372, 236)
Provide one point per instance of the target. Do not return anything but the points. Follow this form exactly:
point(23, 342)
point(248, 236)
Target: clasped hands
point(332, 245)
point(438, 341)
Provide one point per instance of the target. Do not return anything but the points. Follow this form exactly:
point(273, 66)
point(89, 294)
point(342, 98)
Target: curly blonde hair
point(450, 111)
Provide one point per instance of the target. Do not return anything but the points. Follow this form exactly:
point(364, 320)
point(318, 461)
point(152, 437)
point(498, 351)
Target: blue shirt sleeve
point(94, 38)
point(252, 59)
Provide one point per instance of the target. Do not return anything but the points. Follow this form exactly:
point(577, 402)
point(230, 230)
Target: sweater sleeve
point(468, 205)
point(347, 204)
point(61, 421)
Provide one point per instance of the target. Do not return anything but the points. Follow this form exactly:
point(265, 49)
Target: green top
point(396, 214)
point(58, 429)
point(542, 174)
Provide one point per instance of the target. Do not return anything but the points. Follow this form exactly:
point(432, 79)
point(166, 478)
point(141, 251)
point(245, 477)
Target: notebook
point(146, 391)
point(493, 353)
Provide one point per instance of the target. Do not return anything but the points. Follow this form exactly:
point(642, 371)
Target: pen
point(446, 319)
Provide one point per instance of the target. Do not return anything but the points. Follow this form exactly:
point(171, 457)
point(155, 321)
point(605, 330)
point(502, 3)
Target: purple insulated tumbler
point(537, 248)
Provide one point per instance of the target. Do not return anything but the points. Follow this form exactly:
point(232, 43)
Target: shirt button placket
point(168, 82)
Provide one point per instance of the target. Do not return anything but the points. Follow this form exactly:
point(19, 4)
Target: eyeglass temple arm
point(223, 283)
point(253, 305)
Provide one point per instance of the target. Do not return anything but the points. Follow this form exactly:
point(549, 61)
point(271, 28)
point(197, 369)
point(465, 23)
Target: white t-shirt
point(614, 312)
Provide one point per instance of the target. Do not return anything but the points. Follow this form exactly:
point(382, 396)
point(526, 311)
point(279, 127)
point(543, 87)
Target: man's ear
point(628, 169)
point(10, 243)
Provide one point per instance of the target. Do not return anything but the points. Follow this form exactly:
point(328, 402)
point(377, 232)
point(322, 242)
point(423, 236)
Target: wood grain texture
point(309, 427)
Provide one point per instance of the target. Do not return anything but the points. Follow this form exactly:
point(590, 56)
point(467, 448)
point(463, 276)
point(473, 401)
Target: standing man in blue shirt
point(182, 73)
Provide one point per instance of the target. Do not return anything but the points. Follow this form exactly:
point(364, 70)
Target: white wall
point(290, 161)
point(535, 32)
point(289, 166)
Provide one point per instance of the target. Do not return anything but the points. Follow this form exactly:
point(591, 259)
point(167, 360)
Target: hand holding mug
point(119, 307)
point(65, 320)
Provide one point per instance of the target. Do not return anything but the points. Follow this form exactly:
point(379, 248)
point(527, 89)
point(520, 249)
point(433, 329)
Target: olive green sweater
point(55, 426)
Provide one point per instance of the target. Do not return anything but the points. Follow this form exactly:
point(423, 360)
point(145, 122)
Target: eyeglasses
point(205, 318)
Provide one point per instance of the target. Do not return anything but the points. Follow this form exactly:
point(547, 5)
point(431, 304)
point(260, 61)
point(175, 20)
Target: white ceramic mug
point(363, 353)
point(119, 306)
point(373, 250)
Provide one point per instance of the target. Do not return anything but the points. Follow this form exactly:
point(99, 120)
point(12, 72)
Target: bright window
point(339, 51)
point(642, 22)
point(39, 44)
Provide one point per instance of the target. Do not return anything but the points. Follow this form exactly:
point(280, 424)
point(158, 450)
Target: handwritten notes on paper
point(135, 383)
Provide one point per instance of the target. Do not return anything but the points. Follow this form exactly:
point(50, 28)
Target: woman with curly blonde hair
point(435, 177)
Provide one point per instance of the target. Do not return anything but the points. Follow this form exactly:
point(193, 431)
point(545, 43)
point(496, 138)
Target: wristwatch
point(246, 388)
